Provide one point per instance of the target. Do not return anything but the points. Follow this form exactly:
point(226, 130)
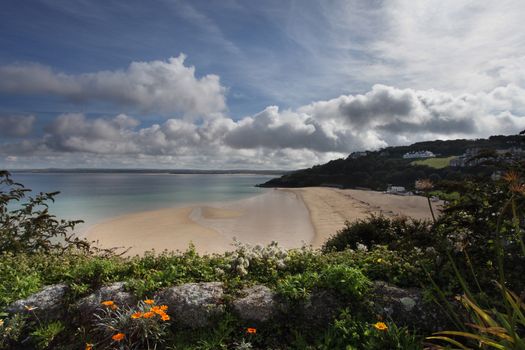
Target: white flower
point(361, 247)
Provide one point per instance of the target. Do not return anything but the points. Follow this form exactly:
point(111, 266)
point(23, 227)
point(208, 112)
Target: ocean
point(95, 197)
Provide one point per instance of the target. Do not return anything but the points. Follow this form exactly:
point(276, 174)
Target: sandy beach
point(292, 217)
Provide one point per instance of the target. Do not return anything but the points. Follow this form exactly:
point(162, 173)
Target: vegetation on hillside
point(436, 163)
point(476, 241)
point(376, 170)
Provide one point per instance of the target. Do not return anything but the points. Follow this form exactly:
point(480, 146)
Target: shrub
point(399, 233)
point(297, 287)
point(348, 281)
point(31, 228)
point(44, 334)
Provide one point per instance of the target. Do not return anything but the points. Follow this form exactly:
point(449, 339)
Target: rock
point(406, 307)
point(193, 304)
point(258, 304)
point(116, 292)
point(48, 304)
point(322, 307)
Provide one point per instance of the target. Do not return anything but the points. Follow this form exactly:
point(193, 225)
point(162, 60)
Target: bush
point(398, 233)
point(31, 228)
point(348, 281)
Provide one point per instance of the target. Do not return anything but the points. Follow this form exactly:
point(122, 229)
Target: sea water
point(95, 197)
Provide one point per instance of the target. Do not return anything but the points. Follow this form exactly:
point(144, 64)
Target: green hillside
point(377, 169)
point(436, 163)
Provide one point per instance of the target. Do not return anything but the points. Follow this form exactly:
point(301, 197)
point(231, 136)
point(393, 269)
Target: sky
point(239, 84)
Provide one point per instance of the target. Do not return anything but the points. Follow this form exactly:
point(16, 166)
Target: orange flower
point(381, 326)
point(165, 317)
point(118, 337)
point(148, 314)
point(251, 330)
point(89, 346)
point(136, 315)
point(164, 307)
point(511, 176)
point(149, 301)
point(108, 303)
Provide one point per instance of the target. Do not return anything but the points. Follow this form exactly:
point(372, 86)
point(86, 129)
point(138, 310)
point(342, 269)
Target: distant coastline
point(152, 171)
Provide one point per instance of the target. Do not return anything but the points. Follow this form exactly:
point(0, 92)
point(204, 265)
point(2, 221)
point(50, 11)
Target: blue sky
point(251, 84)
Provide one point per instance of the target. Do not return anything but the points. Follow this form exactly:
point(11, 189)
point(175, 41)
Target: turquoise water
point(96, 197)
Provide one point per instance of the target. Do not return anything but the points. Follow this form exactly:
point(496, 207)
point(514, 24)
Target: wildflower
point(165, 317)
point(164, 307)
point(251, 330)
point(30, 308)
point(379, 260)
point(1, 322)
point(517, 188)
point(361, 247)
point(110, 303)
point(118, 337)
point(511, 177)
point(89, 346)
point(136, 315)
point(149, 301)
point(380, 326)
point(148, 314)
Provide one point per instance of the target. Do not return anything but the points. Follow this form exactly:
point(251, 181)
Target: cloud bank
point(276, 138)
point(156, 86)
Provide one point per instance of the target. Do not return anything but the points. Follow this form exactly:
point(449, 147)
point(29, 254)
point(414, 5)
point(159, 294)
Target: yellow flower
point(149, 301)
point(136, 315)
point(118, 337)
point(148, 314)
point(379, 260)
point(1, 322)
point(89, 346)
point(381, 326)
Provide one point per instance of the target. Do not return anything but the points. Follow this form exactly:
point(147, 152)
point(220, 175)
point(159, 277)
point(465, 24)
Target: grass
point(436, 163)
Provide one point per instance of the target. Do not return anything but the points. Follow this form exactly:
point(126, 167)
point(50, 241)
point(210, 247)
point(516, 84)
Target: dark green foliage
point(479, 218)
point(348, 332)
point(379, 168)
point(28, 226)
point(397, 234)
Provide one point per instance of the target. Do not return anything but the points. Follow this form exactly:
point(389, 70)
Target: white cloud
point(156, 86)
point(311, 134)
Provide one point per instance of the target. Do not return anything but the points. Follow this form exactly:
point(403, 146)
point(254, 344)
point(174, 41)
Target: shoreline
point(293, 217)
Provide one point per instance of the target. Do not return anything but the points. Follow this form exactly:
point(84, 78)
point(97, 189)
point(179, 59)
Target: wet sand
point(292, 217)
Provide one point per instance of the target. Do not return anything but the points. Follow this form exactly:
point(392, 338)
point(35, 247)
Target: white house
point(395, 189)
point(418, 154)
